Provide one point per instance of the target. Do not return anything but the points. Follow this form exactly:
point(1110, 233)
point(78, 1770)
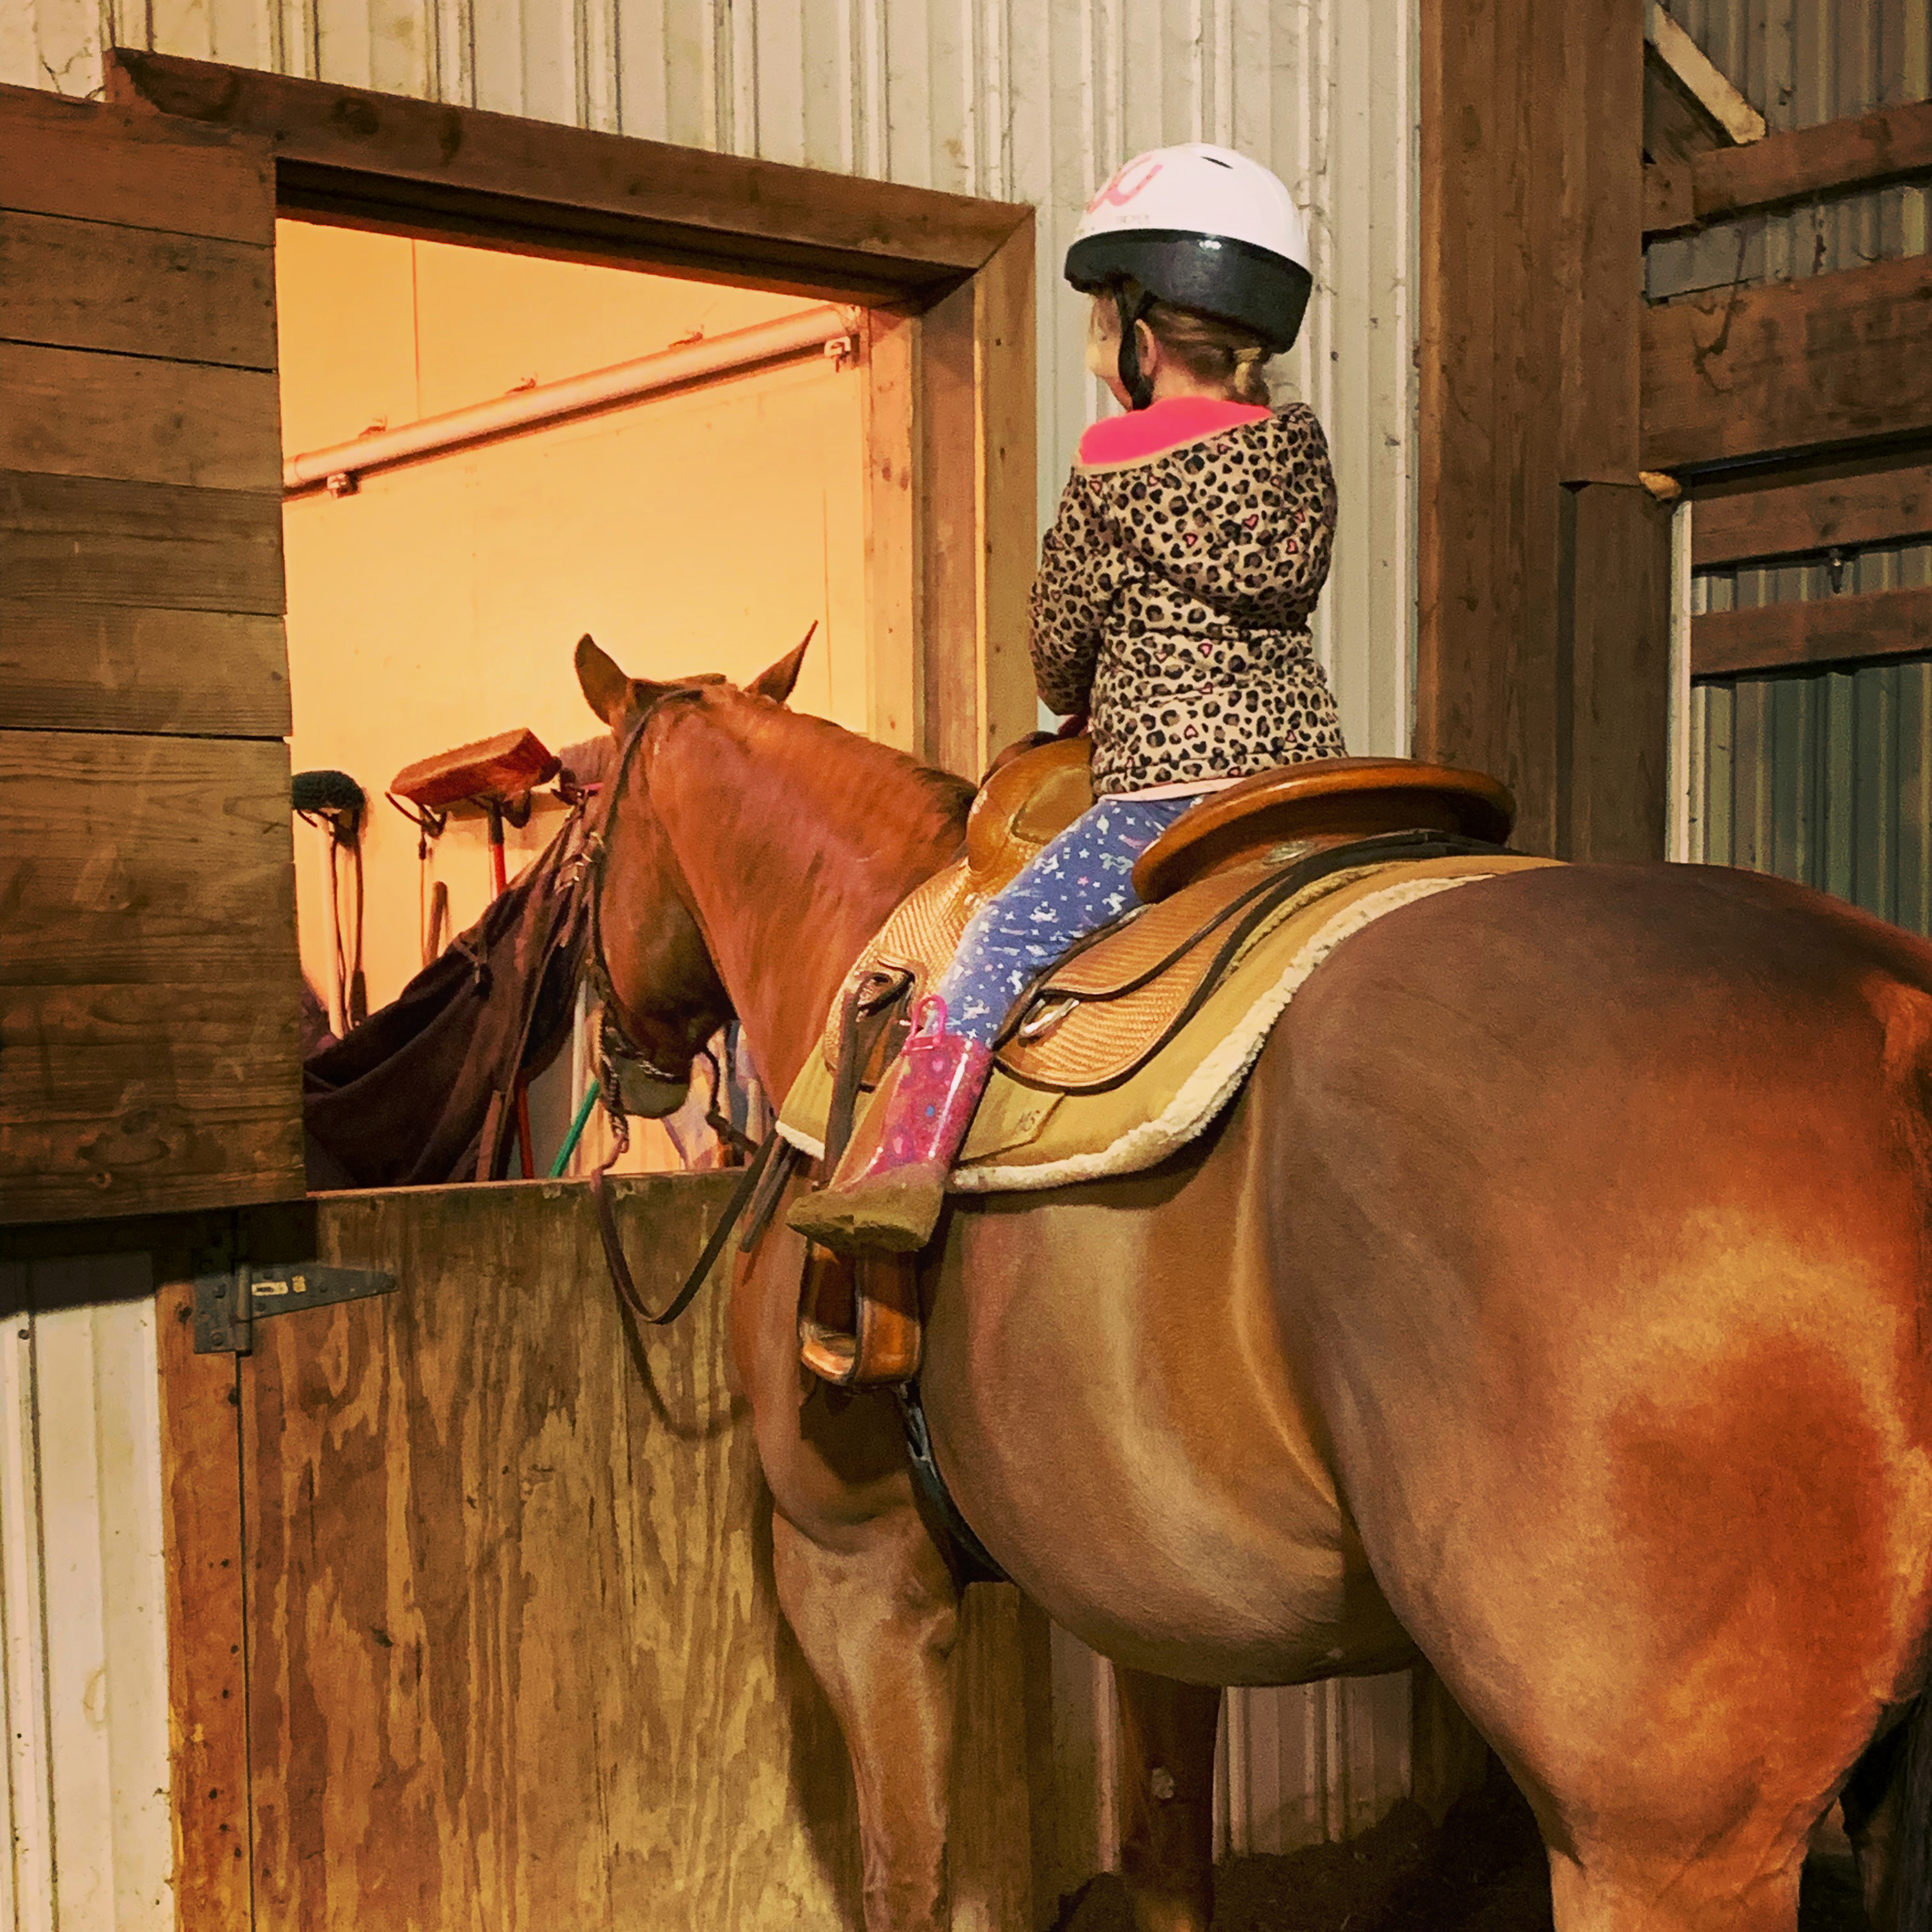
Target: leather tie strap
point(621, 1277)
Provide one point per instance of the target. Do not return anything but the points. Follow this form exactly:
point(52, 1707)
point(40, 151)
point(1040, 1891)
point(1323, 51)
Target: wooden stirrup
point(1325, 800)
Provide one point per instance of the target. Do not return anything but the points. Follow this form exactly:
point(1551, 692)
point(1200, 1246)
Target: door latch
point(227, 1305)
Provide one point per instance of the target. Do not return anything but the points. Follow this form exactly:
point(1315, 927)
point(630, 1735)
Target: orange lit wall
point(441, 602)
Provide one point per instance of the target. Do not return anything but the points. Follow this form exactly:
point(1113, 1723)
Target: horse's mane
point(856, 780)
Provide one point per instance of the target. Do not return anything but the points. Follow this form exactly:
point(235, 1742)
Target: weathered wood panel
point(1864, 151)
point(896, 706)
point(515, 1658)
point(1876, 497)
point(149, 992)
point(1617, 695)
point(201, 1517)
point(1826, 630)
point(349, 150)
point(1003, 358)
point(73, 158)
point(136, 291)
point(1512, 251)
point(106, 668)
point(1835, 359)
point(71, 413)
point(84, 540)
point(949, 487)
point(1601, 255)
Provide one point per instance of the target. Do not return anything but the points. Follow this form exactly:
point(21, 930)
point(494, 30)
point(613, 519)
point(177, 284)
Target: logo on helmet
point(1127, 182)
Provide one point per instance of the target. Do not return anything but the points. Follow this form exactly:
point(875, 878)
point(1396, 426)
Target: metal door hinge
point(228, 1305)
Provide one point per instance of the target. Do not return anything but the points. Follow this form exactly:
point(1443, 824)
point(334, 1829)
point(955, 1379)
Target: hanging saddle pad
point(1134, 1045)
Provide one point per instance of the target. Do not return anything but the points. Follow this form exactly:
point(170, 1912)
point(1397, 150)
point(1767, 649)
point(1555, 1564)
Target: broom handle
point(498, 879)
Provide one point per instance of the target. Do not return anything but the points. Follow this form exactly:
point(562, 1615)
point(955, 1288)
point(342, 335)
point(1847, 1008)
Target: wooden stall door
point(513, 1653)
point(149, 995)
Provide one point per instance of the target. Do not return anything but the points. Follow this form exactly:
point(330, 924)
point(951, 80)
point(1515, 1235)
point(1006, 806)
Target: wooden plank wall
point(514, 1657)
point(149, 995)
point(1544, 648)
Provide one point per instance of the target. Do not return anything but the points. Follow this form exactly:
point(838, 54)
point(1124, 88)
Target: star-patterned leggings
point(1077, 884)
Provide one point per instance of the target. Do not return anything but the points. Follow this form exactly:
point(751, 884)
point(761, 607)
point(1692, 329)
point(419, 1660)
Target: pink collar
point(1163, 426)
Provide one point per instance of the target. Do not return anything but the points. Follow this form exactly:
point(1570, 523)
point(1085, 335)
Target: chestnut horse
point(1552, 1304)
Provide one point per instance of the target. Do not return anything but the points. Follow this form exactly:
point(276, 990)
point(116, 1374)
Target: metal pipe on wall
point(821, 329)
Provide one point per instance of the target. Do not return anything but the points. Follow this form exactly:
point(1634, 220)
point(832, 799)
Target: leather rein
point(616, 1043)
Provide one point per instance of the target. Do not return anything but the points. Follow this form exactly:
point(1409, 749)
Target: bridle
point(762, 1177)
point(616, 1041)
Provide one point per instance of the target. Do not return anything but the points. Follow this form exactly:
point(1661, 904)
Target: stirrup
point(859, 1322)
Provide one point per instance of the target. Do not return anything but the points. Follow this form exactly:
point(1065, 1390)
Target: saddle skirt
point(1137, 1041)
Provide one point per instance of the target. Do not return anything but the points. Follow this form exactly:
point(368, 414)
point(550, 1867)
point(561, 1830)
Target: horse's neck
point(795, 843)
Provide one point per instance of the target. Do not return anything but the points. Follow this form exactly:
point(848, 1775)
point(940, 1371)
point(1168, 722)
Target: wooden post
point(976, 506)
point(1544, 634)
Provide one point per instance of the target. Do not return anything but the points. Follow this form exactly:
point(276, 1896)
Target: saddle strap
point(621, 1277)
point(865, 1013)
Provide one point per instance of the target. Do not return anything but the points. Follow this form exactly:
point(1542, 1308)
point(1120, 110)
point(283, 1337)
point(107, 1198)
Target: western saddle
point(1210, 886)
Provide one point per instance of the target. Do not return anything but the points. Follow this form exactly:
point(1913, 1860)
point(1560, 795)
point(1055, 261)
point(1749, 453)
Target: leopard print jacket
point(1172, 605)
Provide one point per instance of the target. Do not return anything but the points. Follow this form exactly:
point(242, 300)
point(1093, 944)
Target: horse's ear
point(606, 688)
point(776, 681)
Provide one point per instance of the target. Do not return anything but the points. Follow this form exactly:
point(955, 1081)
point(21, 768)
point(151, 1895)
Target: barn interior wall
point(1024, 102)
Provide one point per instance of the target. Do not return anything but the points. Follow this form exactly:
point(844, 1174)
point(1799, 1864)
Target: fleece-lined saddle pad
point(1136, 1044)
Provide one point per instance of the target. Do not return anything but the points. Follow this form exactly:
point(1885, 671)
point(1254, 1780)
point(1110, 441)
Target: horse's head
point(664, 995)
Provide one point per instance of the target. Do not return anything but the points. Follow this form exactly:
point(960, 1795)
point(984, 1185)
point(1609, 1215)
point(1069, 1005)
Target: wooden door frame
point(947, 281)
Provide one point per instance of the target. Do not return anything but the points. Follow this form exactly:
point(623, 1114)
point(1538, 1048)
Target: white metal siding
point(83, 1643)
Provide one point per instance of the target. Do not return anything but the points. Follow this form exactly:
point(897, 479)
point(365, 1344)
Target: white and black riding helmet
point(1204, 229)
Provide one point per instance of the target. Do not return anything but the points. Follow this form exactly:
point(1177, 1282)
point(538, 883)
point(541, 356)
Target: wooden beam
point(1827, 630)
point(423, 168)
point(1736, 373)
point(136, 291)
point(149, 988)
point(1530, 311)
point(1615, 694)
point(1601, 255)
point(894, 702)
point(138, 419)
point(1706, 84)
point(1867, 499)
point(1865, 150)
point(69, 666)
point(154, 545)
point(201, 1537)
point(73, 158)
point(1004, 385)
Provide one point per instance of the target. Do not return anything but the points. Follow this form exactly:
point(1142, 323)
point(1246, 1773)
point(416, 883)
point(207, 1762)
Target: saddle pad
point(1111, 1002)
point(1024, 1137)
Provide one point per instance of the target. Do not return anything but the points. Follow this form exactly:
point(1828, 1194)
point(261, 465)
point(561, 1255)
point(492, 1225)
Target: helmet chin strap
point(1133, 379)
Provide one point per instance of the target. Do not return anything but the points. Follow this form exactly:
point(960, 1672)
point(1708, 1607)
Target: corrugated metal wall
point(1820, 776)
point(1824, 775)
point(83, 1645)
point(1021, 100)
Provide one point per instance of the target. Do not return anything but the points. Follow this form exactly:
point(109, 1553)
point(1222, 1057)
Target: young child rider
point(1172, 605)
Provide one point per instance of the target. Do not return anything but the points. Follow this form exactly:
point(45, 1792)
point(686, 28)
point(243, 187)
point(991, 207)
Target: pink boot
point(887, 1200)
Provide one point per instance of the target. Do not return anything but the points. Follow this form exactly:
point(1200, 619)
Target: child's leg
point(1079, 883)
point(888, 1198)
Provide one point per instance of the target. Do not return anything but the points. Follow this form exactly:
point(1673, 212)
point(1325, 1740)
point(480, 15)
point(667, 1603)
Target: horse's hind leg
point(1167, 1850)
point(1597, 1895)
point(876, 1620)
